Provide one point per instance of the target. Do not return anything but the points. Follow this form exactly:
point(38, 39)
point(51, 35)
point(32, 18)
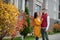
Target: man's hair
point(43, 9)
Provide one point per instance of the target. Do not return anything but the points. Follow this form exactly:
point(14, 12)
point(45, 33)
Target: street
point(54, 37)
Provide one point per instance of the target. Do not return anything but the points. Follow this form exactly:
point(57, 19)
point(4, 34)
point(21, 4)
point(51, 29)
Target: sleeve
point(48, 23)
point(37, 22)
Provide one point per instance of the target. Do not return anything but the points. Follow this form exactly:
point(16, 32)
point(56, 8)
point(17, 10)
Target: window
point(59, 15)
point(59, 7)
point(6, 1)
point(39, 0)
point(37, 8)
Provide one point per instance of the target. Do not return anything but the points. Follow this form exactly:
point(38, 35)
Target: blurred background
point(52, 8)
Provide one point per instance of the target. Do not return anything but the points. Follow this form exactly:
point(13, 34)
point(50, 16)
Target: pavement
point(53, 37)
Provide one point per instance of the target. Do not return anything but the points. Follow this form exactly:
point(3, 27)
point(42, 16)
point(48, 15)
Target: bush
point(56, 28)
point(26, 29)
point(50, 33)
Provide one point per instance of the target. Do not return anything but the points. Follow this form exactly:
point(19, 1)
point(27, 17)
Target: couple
point(41, 25)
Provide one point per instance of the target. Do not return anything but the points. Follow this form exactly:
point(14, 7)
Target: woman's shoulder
point(34, 18)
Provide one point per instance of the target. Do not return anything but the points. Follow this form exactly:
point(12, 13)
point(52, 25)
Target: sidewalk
point(54, 37)
point(51, 37)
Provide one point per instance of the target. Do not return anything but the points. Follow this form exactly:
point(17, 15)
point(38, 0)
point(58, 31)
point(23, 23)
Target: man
point(45, 24)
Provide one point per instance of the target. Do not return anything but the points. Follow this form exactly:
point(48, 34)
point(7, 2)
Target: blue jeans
point(37, 38)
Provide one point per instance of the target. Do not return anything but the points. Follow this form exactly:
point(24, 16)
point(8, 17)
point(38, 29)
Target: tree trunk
point(25, 36)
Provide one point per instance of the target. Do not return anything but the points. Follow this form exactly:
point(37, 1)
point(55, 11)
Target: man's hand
point(46, 30)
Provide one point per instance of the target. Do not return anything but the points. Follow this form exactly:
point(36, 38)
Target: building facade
point(20, 4)
point(34, 6)
point(52, 7)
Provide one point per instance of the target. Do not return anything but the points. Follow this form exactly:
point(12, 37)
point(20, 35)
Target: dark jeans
point(37, 38)
point(44, 34)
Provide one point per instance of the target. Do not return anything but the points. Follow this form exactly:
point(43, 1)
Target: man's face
point(43, 10)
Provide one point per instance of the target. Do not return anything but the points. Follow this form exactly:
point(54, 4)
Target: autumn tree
point(8, 18)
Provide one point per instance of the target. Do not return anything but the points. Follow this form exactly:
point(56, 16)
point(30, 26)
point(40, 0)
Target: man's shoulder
point(46, 14)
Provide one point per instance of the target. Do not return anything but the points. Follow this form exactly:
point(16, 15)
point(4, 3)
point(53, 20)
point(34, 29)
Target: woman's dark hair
point(35, 15)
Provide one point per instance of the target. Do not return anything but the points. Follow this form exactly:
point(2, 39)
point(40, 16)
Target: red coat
point(44, 21)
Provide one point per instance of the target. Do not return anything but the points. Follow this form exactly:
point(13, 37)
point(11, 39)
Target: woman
point(37, 22)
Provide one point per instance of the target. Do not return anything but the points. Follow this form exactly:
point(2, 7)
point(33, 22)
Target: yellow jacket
point(37, 28)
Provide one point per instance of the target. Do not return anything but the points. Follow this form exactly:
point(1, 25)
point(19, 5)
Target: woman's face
point(39, 14)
